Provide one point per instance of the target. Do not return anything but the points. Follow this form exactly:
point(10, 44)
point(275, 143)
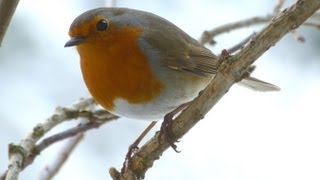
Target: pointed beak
point(74, 41)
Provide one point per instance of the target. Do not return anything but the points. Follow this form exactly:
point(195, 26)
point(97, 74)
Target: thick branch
point(230, 71)
point(7, 8)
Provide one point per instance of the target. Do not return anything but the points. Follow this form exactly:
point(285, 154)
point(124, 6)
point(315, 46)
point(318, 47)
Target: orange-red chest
point(116, 68)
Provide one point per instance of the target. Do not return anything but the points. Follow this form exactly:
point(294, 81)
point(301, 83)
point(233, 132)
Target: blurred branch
point(278, 6)
point(238, 46)
point(111, 3)
point(315, 16)
point(7, 8)
point(298, 36)
point(229, 72)
point(27, 147)
point(313, 24)
point(50, 171)
point(208, 36)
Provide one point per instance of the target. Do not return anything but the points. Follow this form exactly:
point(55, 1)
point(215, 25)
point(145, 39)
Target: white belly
point(178, 90)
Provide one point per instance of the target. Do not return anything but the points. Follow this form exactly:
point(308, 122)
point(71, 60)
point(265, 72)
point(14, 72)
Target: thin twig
point(313, 24)
point(278, 6)
point(3, 175)
point(134, 146)
point(230, 71)
point(50, 171)
point(18, 153)
point(297, 36)
point(7, 9)
point(111, 3)
point(208, 36)
point(81, 128)
point(64, 135)
point(240, 44)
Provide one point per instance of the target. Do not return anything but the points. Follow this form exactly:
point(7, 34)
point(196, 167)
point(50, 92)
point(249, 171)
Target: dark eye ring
point(102, 25)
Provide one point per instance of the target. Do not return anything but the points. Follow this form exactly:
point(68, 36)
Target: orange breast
point(114, 67)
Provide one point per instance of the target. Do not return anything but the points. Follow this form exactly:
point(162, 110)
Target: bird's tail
point(258, 85)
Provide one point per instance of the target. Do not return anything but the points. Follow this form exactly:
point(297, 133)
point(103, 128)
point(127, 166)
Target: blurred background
point(248, 135)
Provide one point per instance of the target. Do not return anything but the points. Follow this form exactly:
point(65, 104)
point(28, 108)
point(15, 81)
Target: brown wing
point(204, 60)
point(177, 49)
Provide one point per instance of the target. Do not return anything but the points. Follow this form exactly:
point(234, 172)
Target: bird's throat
point(118, 69)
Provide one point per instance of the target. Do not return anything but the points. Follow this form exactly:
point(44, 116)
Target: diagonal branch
point(7, 8)
point(230, 71)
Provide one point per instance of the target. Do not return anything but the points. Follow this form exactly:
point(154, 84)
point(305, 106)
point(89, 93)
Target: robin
point(141, 66)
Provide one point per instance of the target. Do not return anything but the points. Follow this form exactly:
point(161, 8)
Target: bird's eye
point(102, 25)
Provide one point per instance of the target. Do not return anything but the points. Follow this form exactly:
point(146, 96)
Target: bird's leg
point(166, 131)
point(134, 146)
point(166, 126)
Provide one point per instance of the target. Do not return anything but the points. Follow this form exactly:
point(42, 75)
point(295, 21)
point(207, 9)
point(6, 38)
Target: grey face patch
point(90, 14)
point(122, 16)
point(119, 11)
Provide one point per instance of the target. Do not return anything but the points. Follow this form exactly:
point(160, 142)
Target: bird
point(141, 66)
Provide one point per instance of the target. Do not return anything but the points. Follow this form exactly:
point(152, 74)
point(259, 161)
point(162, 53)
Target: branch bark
point(230, 71)
point(22, 155)
point(7, 9)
